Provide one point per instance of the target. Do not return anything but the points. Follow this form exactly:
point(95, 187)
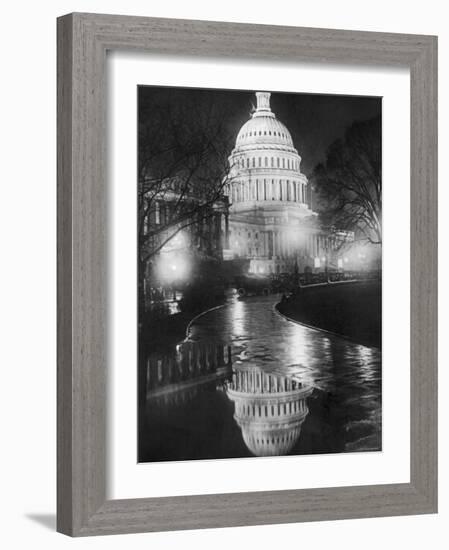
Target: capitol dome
point(264, 164)
point(269, 212)
point(264, 128)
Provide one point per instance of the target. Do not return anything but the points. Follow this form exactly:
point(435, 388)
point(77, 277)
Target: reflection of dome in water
point(267, 442)
point(269, 409)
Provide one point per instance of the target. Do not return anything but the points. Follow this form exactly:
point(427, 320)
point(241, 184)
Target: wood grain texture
point(83, 40)
point(64, 277)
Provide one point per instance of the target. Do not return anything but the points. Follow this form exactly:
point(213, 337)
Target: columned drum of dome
point(270, 223)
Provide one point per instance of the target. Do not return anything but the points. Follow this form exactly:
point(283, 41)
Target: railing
point(190, 363)
point(332, 278)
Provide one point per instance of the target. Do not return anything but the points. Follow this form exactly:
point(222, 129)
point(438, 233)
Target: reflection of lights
point(367, 362)
point(323, 259)
point(346, 260)
point(238, 318)
point(365, 353)
point(340, 262)
point(317, 262)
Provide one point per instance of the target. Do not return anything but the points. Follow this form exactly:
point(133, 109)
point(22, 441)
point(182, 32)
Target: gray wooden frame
point(83, 40)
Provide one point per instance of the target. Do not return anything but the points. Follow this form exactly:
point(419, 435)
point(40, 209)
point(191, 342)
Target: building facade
point(178, 235)
point(270, 221)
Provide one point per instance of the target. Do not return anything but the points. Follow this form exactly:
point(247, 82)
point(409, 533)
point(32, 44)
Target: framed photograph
point(247, 274)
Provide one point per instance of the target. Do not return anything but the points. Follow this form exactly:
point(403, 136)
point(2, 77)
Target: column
point(229, 361)
point(226, 239)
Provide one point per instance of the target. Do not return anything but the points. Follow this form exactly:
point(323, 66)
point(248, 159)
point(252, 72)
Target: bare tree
point(182, 166)
point(349, 182)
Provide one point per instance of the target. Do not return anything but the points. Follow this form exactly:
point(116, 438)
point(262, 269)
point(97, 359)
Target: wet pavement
point(248, 382)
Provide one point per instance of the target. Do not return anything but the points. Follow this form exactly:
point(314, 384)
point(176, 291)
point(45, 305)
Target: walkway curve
point(201, 420)
point(259, 335)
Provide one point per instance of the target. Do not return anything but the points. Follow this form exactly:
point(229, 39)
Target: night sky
point(314, 120)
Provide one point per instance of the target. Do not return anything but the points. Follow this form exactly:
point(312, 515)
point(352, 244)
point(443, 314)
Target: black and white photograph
point(259, 273)
point(220, 296)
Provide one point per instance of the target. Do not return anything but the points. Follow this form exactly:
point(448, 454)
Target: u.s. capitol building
point(270, 221)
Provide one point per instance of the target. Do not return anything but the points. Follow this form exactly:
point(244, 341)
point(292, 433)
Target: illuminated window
point(158, 214)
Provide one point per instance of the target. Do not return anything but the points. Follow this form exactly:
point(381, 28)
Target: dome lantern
point(263, 105)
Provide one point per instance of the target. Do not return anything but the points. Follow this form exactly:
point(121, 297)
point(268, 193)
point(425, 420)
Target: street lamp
point(173, 266)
